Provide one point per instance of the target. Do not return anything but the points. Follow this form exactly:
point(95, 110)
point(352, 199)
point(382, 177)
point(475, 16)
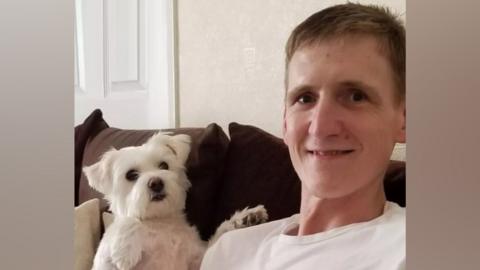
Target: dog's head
point(146, 181)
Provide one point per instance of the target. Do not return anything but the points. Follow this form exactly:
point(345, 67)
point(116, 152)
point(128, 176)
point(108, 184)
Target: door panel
point(125, 62)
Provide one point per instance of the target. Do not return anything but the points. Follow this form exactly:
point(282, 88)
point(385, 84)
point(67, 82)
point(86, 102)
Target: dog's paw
point(250, 217)
point(126, 244)
point(127, 262)
point(241, 219)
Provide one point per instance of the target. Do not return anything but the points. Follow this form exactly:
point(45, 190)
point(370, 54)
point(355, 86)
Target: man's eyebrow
point(357, 84)
point(299, 89)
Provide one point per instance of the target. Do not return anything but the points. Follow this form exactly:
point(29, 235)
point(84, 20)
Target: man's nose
point(326, 120)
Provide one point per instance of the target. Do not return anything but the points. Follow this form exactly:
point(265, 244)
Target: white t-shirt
point(375, 244)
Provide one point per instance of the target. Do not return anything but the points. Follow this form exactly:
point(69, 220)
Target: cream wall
point(231, 58)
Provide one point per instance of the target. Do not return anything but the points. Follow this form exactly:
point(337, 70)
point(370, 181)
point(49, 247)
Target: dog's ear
point(159, 138)
point(99, 175)
point(180, 145)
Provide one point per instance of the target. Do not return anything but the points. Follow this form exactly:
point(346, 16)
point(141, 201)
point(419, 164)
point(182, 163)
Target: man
point(344, 112)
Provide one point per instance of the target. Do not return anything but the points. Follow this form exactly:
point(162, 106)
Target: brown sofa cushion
point(258, 170)
point(204, 166)
point(92, 125)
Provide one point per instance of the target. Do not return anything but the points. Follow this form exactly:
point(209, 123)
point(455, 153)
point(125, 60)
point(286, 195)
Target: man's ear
point(402, 132)
point(284, 129)
point(99, 175)
point(180, 145)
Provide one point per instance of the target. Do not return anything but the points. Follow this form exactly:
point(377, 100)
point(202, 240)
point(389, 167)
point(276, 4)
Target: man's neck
point(322, 214)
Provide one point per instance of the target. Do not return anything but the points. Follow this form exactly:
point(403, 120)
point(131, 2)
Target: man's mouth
point(330, 153)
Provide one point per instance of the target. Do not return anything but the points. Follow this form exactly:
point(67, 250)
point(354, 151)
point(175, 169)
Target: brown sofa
point(251, 167)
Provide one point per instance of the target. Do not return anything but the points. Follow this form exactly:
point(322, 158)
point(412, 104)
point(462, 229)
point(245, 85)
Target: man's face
point(341, 118)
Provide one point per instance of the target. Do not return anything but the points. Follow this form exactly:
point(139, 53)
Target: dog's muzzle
point(157, 189)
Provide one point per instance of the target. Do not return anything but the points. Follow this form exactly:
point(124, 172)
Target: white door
point(125, 62)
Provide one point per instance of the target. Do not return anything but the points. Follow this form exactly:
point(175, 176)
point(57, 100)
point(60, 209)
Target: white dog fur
point(146, 188)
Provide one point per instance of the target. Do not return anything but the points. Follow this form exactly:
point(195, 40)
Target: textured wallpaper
point(231, 58)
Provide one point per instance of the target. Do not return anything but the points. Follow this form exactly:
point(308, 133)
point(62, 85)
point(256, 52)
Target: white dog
point(146, 188)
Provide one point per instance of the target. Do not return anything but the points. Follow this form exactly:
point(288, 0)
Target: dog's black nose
point(155, 184)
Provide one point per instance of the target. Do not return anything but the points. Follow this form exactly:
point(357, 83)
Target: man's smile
point(329, 153)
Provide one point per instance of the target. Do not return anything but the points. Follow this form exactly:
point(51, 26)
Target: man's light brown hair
point(354, 19)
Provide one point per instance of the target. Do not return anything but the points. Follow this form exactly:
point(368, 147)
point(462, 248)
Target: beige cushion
point(86, 233)
point(399, 152)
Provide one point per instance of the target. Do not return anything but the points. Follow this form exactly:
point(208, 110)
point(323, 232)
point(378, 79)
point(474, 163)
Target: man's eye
point(163, 165)
point(357, 96)
point(132, 175)
point(305, 99)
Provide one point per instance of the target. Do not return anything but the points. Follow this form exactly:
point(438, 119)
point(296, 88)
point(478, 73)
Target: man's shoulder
point(234, 246)
point(395, 213)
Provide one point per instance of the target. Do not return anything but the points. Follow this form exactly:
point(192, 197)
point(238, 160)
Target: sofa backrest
point(252, 167)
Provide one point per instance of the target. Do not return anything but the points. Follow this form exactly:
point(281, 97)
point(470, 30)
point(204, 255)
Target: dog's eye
point(132, 175)
point(163, 165)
